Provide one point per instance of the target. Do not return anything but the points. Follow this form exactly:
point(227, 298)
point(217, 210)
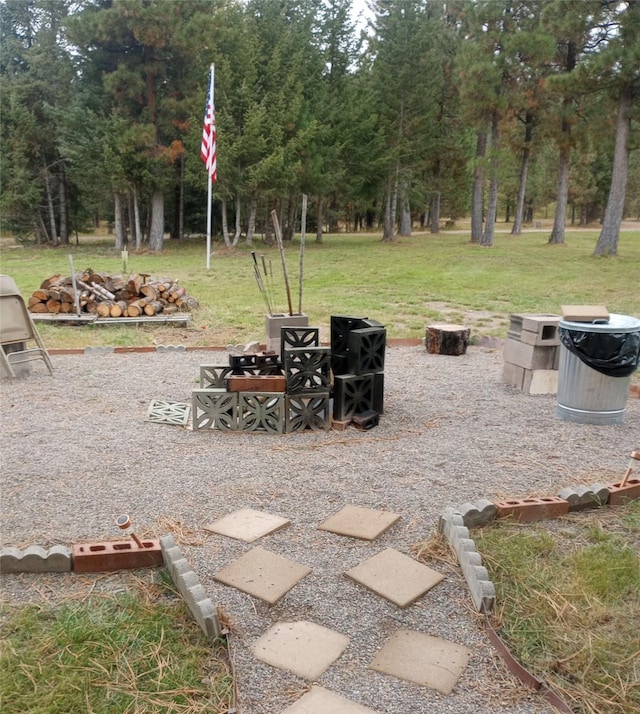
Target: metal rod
point(276, 225)
point(256, 272)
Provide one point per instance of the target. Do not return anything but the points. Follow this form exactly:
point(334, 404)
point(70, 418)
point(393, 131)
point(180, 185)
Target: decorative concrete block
point(307, 411)
point(307, 369)
point(201, 606)
point(528, 356)
point(261, 411)
point(299, 337)
point(35, 559)
point(10, 560)
point(366, 350)
point(581, 497)
point(214, 409)
point(214, 376)
point(527, 510)
point(352, 394)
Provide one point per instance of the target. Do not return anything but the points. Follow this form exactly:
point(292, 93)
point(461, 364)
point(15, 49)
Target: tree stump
point(447, 339)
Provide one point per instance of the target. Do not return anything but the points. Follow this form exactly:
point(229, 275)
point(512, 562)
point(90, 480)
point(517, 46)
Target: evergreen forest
point(415, 113)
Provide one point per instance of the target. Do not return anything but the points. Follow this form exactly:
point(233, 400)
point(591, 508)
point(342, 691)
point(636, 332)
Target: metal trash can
point(597, 362)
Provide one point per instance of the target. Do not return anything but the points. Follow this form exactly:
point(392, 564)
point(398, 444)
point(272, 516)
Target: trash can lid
point(616, 323)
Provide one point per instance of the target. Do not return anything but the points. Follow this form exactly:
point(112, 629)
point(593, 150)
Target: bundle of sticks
point(264, 274)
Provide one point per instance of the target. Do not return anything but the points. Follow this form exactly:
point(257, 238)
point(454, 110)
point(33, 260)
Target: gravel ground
point(77, 452)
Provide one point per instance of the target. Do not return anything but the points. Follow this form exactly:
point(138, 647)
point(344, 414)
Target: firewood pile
point(107, 295)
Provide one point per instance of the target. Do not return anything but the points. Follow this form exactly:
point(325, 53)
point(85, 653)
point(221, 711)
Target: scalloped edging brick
point(187, 582)
point(35, 559)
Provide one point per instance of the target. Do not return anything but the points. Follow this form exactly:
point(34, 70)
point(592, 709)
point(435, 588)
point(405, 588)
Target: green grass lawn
point(404, 285)
point(568, 603)
point(135, 651)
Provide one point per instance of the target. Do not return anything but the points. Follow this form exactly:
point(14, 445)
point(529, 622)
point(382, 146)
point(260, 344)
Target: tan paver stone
point(263, 574)
point(321, 701)
point(247, 524)
point(304, 648)
point(357, 522)
point(422, 659)
point(395, 576)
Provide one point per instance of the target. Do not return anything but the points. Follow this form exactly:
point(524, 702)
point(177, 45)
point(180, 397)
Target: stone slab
point(422, 659)
point(540, 381)
point(357, 522)
point(395, 577)
point(247, 524)
point(262, 574)
point(584, 313)
point(321, 701)
point(304, 648)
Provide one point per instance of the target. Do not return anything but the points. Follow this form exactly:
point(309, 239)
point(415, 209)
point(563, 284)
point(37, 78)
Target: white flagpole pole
point(210, 182)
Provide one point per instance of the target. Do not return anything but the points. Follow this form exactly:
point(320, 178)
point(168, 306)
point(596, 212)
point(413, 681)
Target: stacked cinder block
point(357, 361)
point(531, 353)
point(253, 394)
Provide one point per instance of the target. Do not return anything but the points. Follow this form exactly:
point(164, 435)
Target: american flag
point(208, 148)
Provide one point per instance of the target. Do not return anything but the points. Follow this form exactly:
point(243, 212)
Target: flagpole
point(209, 179)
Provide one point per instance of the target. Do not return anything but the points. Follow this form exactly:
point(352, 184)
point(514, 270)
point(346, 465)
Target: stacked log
point(110, 296)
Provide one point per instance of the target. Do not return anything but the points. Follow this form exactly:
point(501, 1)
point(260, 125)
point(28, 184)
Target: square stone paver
point(247, 524)
point(263, 574)
point(321, 701)
point(304, 648)
point(364, 523)
point(422, 659)
point(395, 576)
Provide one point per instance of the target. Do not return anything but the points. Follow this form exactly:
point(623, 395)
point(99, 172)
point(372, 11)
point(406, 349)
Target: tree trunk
point(405, 209)
point(50, 207)
point(492, 206)
point(516, 229)
point(609, 235)
point(156, 233)
point(291, 218)
point(238, 231)
point(477, 190)
point(136, 219)
point(434, 213)
point(62, 199)
point(181, 200)
point(557, 233)
point(119, 222)
point(225, 224)
point(390, 208)
point(251, 227)
point(319, 219)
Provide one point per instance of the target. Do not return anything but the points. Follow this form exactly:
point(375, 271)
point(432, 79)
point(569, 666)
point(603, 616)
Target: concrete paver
point(395, 576)
point(262, 574)
point(304, 648)
point(357, 522)
point(322, 701)
point(422, 659)
point(247, 524)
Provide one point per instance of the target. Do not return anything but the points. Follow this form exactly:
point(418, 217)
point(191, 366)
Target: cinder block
point(619, 495)
point(513, 375)
point(201, 606)
point(540, 381)
point(528, 356)
point(540, 330)
point(581, 497)
point(478, 514)
point(526, 510)
point(118, 555)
